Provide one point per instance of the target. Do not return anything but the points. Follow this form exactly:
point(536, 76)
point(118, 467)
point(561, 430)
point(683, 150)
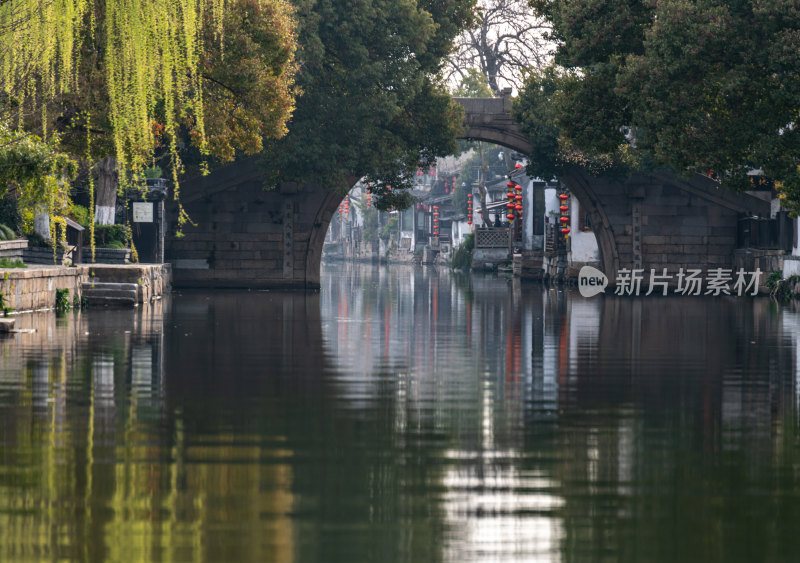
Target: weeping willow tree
point(129, 77)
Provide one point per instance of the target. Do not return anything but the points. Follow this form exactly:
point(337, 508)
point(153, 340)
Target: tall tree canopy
point(699, 85)
point(372, 104)
point(506, 41)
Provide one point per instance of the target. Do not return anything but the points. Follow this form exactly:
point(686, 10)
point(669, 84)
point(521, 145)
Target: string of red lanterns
point(436, 220)
point(469, 210)
point(514, 205)
point(564, 219)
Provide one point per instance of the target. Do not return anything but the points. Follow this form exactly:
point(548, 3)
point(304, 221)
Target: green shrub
point(63, 302)
point(389, 228)
point(4, 308)
point(6, 233)
point(80, 215)
point(153, 172)
point(773, 278)
point(110, 236)
point(6, 263)
point(462, 256)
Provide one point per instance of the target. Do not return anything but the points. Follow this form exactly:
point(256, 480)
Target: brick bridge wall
point(246, 236)
point(662, 221)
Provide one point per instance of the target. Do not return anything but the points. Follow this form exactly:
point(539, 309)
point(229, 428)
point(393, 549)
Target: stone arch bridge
point(247, 237)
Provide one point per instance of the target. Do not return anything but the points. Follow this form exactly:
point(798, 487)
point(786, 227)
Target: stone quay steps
point(101, 294)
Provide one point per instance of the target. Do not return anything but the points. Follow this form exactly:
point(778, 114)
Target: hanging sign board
point(142, 211)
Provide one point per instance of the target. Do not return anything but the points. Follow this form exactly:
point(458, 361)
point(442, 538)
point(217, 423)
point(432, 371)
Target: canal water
point(403, 414)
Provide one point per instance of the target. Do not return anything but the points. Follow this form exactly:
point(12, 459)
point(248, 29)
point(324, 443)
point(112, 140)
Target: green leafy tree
point(36, 174)
point(123, 82)
point(473, 85)
point(697, 85)
point(372, 105)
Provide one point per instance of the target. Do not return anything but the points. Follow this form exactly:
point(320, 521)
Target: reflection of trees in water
point(404, 415)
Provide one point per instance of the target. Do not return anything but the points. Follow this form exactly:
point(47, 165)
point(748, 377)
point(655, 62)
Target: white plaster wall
point(527, 203)
point(584, 243)
point(791, 266)
point(551, 204)
point(796, 248)
point(459, 230)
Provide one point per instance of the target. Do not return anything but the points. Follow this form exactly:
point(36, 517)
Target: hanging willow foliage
point(150, 52)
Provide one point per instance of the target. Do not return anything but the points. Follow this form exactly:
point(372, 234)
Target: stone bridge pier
point(246, 237)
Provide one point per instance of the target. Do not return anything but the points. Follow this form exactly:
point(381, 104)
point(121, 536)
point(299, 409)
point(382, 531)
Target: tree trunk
point(41, 225)
point(106, 191)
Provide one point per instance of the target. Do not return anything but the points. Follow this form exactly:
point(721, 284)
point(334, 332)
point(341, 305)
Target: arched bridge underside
point(247, 237)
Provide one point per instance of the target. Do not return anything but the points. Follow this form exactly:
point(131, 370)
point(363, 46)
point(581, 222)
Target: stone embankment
point(34, 288)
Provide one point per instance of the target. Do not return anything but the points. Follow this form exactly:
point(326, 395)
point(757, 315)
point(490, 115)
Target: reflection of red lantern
point(565, 230)
point(517, 166)
point(564, 220)
point(564, 208)
point(563, 197)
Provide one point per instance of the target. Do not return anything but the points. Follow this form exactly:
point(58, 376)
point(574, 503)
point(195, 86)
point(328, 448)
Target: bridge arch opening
point(576, 184)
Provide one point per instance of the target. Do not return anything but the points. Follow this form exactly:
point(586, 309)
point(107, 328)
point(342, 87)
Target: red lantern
point(518, 207)
point(565, 230)
point(518, 197)
point(510, 205)
point(510, 195)
point(518, 188)
point(510, 185)
point(564, 220)
point(469, 221)
point(510, 216)
point(564, 208)
point(563, 197)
